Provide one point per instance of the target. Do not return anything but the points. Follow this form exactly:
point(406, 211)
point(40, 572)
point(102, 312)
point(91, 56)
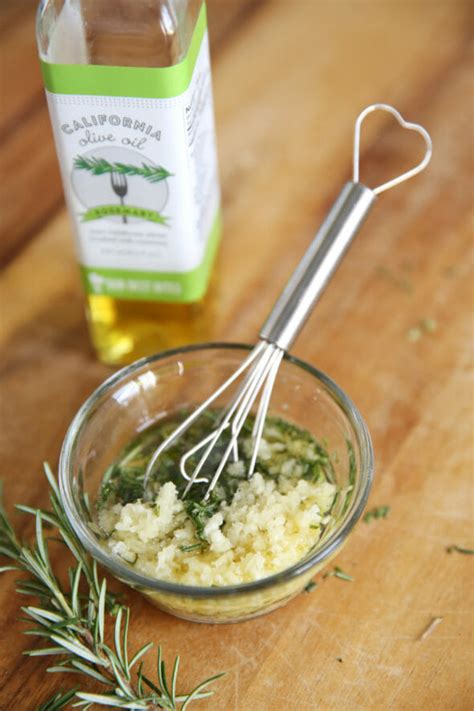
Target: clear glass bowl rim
point(127, 574)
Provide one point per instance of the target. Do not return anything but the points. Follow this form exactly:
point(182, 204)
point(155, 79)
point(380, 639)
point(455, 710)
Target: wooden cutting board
point(289, 79)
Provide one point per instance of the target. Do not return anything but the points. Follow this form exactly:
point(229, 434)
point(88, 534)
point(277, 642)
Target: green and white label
point(138, 159)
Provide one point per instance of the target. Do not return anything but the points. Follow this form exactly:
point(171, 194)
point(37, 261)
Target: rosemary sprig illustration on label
point(101, 166)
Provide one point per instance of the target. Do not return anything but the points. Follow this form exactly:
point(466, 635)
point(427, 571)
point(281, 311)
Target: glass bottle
point(129, 91)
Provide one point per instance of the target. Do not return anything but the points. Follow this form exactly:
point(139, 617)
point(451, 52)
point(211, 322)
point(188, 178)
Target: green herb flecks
point(377, 512)
point(200, 513)
point(83, 624)
point(192, 547)
point(338, 573)
point(123, 481)
point(422, 328)
point(101, 166)
point(402, 282)
point(352, 462)
point(459, 549)
point(346, 494)
point(311, 586)
point(451, 271)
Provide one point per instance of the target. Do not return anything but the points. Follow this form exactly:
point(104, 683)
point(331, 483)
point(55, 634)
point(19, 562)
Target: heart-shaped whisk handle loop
point(404, 124)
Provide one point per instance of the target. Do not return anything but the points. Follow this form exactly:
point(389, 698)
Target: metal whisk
point(260, 368)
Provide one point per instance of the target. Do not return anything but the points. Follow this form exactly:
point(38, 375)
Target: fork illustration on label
point(120, 187)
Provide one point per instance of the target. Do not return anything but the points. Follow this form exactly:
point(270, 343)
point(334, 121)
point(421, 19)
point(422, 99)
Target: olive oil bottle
point(129, 91)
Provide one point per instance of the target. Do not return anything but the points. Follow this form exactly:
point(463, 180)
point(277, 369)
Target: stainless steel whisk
point(308, 281)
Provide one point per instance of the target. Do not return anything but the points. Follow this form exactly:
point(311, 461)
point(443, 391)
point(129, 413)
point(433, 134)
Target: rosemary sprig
point(77, 620)
point(101, 166)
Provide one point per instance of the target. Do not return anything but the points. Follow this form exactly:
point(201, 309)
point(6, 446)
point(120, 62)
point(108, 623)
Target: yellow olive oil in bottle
point(128, 84)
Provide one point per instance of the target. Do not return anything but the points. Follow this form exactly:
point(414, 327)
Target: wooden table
point(289, 79)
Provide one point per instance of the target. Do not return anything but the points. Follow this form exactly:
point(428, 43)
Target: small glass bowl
point(149, 389)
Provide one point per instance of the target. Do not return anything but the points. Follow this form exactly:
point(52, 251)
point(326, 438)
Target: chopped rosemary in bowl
point(248, 530)
point(255, 543)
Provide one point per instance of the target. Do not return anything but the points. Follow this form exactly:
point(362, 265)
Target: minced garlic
point(269, 525)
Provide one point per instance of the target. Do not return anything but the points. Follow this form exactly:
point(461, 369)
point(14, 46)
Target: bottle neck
point(132, 33)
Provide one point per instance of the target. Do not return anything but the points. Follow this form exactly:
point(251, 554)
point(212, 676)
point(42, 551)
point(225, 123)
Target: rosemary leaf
point(458, 549)
point(43, 652)
point(117, 636)
point(338, 573)
point(140, 654)
point(174, 677)
point(75, 589)
point(103, 700)
point(196, 693)
point(42, 614)
point(101, 610)
point(76, 648)
point(377, 512)
point(191, 548)
point(90, 671)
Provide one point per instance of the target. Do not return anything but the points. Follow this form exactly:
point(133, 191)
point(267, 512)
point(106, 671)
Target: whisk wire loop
point(244, 391)
point(256, 381)
point(186, 424)
point(263, 408)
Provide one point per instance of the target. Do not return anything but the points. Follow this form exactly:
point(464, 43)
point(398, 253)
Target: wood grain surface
point(289, 78)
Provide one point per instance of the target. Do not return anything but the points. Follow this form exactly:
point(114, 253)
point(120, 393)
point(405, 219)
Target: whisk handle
point(316, 268)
